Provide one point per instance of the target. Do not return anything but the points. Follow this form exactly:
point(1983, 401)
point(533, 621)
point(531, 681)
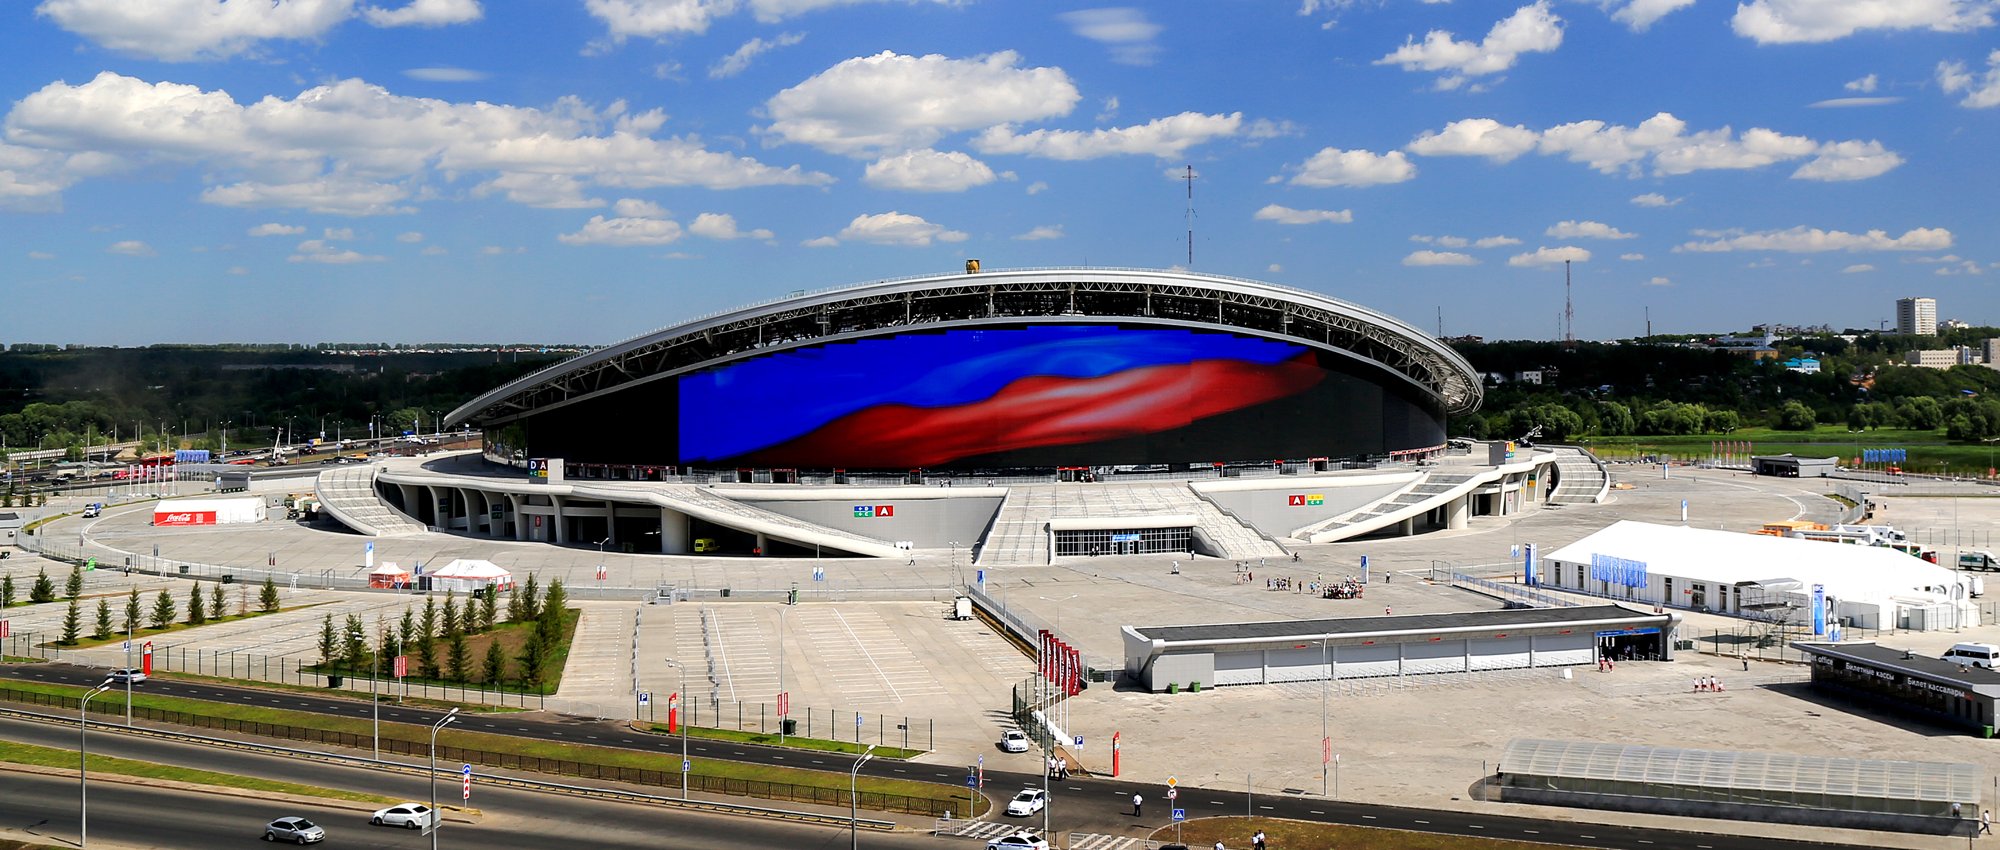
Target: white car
point(408, 815)
point(127, 674)
point(296, 830)
point(1014, 741)
point(1028, 802)
point(1023, 840)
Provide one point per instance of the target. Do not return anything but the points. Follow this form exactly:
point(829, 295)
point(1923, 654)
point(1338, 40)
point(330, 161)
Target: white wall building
point(1916, 316)
point(1761, 577)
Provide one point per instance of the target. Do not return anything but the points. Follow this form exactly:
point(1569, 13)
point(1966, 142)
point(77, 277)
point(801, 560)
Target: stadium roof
point(1941, 782)
point(957, 300)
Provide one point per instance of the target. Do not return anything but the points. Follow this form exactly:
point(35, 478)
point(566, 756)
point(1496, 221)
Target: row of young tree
point(202, 606)
point(1964, 419)
point(437, 638)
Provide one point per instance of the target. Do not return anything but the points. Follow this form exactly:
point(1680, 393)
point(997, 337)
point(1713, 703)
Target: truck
point(1977, 559)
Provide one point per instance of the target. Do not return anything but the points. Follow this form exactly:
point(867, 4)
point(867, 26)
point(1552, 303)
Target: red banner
point(185, 518)
point(402, 666)
point(146, 666)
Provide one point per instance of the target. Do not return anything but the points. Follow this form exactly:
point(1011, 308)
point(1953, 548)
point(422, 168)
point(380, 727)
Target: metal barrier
point(827, 724)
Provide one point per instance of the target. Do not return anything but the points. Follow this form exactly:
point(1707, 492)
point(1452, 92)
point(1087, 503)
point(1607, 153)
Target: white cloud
point(1476, 137)
point(1439, 258)
point(1631, 257)
point(1042, 232)
point(1848, 102)
point(1125, 30)
point(318, 251)
point(1546, 256)
point(1495, 241)
point(1864, 85)
point(1981, 90)
point(820, 242)
point(1961, 267)
point(928, 171)
point(276, 229)
point(890, 102)
point(131, 248)
point(493, 250)
point(345, 234)
point(354, 148)
point(1848, 161)
point(409, 237)
point(445, 75)
point(1857, 268)
point(1586, 230)
point(1161, 137)
point(625, 19)
point(1655, 199)
point(185, 30)
point(40, 255)
point(1531, 29)
point(1795, 21)
point(425, 13)
point(1640, 15)
point(636, 208)
point(1659, 281)
point(621, 232)
point(1037, 187)
point(435, 250)
point(1274, 268)
point(1336, 167)
point(1446, 241)
point(891, 228)
point(238, 270)
point(1265, 128)
point(739, 59)
point(1287, 215)
point(723, 226)
point(1803, 240)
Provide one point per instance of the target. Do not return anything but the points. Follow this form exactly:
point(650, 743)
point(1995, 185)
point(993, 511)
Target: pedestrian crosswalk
point(984, 830)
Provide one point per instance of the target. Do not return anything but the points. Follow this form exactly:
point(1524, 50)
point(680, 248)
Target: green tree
point(44, 589)
point(515, 613)
point(530, 600)
point(132, 611)
point(72, 623)
point(554, 609)
point(103, 619)
point(73, 588)
point(7, 591)
point(427, 627)
point(451, 620)
point(528, 665)
point(354, 644)
point(1721, 421)
point(163, 610)
point(1614, 419)
point(267, 599)
point(1922, 413)
point(489, 608)
point(406, 630)
point(329, 642)
point(1795, 416)
point(496, 664)
point(215, 601)
point(457, 658)
point(197, 614)
point(385, 650)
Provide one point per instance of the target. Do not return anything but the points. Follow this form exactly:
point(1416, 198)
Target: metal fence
point(1516, 595)
point(666, 776)
point(829, 724)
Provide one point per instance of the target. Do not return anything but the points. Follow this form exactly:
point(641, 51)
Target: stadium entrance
point(1123, 541)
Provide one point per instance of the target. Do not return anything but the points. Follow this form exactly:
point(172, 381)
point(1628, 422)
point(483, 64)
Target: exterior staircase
point(348, 494)
point(1580, 477)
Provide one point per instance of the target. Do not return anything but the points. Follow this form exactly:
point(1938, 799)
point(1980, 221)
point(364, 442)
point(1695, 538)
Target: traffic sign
point(686, 765)
point(1173, 781)
point(1173, 793)
point(645, 698)
point(127, 645)
point(467, 772)
point(1180, 814)
point(971, 779)
point(1079, 742)
point(857, 720)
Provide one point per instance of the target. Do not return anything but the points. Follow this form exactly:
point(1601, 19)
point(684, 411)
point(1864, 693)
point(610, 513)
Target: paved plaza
point(892, 651)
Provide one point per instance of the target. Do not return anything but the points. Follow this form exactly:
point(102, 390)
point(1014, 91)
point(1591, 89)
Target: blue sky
point(585, 170)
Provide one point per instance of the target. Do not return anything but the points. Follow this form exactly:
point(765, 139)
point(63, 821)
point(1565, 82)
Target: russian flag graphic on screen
point(927, 399)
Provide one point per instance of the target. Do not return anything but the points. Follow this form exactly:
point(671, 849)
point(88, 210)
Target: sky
point(583, 171)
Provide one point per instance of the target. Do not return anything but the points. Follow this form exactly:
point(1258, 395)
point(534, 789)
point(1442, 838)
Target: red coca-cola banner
point(184, 518)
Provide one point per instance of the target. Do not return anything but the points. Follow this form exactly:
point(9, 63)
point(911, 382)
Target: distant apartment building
point(1916, 316)
point(1991, 350)
point(1803, 365)
point(1944, 358)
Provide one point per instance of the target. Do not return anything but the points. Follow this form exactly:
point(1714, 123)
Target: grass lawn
point(510, 636)
point(1930, 452)
point(1306, 835)
point(146, 604)
point(552, 750)
point(795, 741)
point(52, 757)
point(388, 693)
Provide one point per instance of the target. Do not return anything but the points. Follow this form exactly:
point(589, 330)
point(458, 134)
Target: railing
point(669, 776)
point(1526, 595)
point(827, 724)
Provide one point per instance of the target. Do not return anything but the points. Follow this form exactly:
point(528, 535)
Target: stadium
point(763, 430)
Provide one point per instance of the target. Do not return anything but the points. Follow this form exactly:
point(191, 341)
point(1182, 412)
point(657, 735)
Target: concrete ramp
point(1434, 490)
point(347, 493)
point(706, 504)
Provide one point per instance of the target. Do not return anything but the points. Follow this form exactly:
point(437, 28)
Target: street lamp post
point(853, 802)
point(436, 819)
point(128, 672)
point(683, 695)
point(83, 765)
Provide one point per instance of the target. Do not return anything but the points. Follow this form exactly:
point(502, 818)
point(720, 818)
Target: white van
point(1974, 654)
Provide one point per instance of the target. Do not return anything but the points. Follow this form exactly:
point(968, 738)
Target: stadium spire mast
point(1190, 215)
point(1569, 312)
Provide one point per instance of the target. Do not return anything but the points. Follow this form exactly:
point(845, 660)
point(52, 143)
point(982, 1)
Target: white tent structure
point(208, 511)
point(1761, 577)
point(469, 574)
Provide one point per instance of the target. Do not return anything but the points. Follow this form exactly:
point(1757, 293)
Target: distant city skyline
point(587, 171)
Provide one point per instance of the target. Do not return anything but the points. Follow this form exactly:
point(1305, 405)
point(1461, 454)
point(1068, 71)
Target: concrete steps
point(348, 494)
point(1579, 479)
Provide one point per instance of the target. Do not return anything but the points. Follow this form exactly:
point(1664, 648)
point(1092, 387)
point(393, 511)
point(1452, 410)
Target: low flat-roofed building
point(1907, 683)
point(1792, 466)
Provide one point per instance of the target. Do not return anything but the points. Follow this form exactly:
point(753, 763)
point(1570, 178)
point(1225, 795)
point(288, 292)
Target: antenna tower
point(1569, 312)
point(1190, 215)
point(1649, 322)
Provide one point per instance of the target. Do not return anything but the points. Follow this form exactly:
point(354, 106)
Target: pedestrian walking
point(1986, 822)
point(1744, 656)
point(1218, 845)
point(1257, 841)
point(1138, 806)
point(1387, 611)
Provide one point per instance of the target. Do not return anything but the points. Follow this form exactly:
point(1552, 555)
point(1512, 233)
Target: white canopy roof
point(389, 568)
point(471, 568)
point(1849, 571)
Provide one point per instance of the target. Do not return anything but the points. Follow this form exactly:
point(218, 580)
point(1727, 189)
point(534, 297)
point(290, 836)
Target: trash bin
point(228, 578)
point(791, 726)
point(184, 569)
point(333, 680)
point(725, 593)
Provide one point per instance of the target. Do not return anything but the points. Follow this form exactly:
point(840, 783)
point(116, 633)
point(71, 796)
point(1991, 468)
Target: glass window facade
point(1129, 541)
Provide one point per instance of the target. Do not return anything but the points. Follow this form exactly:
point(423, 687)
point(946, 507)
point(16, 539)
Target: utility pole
point(1569, 311)
point(1190, 215)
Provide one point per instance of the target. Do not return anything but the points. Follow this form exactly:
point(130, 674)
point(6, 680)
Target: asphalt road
point(1079, 805)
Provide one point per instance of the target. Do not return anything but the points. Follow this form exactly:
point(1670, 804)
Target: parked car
point(1026, 839)
point(128, 674)
point(295, 830)
point(1014, 741)
point(1028, 802)
point(408, 815)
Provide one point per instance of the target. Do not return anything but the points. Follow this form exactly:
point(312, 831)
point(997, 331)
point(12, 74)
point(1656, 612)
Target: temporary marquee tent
point(470, 574)
point(389, 575)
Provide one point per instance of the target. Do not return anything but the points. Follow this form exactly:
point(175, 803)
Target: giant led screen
point(1040, 395)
